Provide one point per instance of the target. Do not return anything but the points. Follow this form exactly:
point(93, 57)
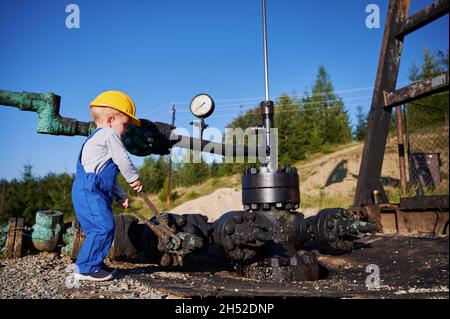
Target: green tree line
point(25, 196)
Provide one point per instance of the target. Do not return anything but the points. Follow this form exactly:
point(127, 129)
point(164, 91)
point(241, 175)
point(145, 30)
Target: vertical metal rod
point(401, 149)
point(169, 177)
point(202, 126)
point(267, 107)
point(408, 145)
point(266, 67)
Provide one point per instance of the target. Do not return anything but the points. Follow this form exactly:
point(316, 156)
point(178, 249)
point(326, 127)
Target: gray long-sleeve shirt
point(107, 144)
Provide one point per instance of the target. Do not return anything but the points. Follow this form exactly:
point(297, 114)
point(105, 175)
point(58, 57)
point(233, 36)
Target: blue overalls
point(92, 199)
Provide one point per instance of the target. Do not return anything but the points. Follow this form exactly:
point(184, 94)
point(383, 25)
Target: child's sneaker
point(113, 271)
point(98, 275)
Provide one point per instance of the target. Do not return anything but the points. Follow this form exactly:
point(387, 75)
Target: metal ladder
point(369, 189)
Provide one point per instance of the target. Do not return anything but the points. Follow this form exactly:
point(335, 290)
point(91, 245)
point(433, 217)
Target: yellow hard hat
point(119, 101)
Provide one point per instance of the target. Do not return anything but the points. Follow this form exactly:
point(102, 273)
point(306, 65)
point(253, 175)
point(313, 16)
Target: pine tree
point(327, 114)
point(291, 141)
point(361, 124)
point(152, 173)
point(27, 173)
point(251, 118)
point(191, 173)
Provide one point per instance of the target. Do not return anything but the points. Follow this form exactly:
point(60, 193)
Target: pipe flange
point(263, 190)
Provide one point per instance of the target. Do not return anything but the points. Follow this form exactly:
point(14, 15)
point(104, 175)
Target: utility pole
point(169, 177)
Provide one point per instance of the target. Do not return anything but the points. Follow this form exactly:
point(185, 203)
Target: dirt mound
point(332, 175)
point(213, 205)
point(336, 174)
point(221, 201)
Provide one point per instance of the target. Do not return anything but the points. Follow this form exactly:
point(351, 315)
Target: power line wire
point(350, 90)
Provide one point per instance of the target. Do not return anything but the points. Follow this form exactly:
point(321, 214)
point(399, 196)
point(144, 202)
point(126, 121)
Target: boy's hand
point(136, 185)
point(124, 202)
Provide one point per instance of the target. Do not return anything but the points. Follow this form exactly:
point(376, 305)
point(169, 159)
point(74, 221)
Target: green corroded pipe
point(3, 235)
point(48, 230)
point(73, 239)
point(47, 108)
point(149, 138)
point(50, 122)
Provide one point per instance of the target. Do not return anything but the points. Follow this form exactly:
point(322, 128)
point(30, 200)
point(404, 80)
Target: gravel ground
point(48, 276)
point(409, 268)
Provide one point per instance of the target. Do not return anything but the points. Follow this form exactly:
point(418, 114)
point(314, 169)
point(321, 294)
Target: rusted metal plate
point(431, 13)
point(9, 245)
point(124, 246)
point(374, 214)
point(14, 240)
point(77, 240)
point(427, 223)
point(416, 91)
point(439, 202)
point(412, 217)
point(18, 239)
point(389, 223)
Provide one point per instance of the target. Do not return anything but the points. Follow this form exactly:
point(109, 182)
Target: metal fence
point(427, 147)
point(424, 129)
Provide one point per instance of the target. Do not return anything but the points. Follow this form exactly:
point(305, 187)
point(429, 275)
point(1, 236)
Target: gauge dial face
point(202, 105)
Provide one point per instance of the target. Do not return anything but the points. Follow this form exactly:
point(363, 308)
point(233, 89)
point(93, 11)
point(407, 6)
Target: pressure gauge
point(202, 105)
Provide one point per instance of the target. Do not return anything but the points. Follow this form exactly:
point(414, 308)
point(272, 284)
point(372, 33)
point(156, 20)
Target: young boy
point(102, 156)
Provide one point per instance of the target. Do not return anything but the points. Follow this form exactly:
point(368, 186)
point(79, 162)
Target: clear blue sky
point(161, 52)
